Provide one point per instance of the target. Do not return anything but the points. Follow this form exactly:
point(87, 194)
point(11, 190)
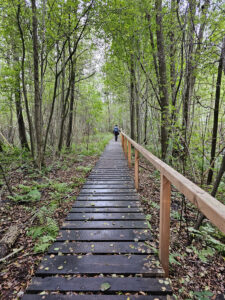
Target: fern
point(203, 295)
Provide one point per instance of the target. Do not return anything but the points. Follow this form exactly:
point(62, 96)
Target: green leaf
point(105, 286)
point(34, 195)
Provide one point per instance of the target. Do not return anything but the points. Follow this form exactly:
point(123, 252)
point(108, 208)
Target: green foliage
point(172, 258)
point(203, 295)
point(175, 214)
point(43, 243)
point(203, 254)
point(31, 196)
point(34, 195)
point(96, 145)
point(154, 249)
point(153, 204)
point(46, 232)
point(24, 188)
point(209, 235)
point(15, 157)
point(61, 187)
point(83, 169)
point(77, 181)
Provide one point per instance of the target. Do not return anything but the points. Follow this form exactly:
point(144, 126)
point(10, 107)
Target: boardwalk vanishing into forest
point(101, 251)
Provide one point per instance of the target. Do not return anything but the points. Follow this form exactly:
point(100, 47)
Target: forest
point(71, 70)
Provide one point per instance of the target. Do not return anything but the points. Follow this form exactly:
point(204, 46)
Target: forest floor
point(42, 200)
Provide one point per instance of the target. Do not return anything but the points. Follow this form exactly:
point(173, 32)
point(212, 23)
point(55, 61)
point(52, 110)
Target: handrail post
point(122, 141)
point(164, 227)
point(136, 170)
point(125, 146)
point(129, 154)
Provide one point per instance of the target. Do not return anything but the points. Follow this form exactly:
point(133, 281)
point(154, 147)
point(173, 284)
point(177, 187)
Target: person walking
point(116, 132)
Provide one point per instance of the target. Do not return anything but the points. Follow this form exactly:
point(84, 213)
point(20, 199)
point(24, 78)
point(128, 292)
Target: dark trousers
point(116, 136)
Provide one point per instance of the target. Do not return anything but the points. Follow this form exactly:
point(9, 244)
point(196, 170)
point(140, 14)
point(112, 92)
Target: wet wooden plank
point(149, 285)
point(108, 186)
point(104, 209)
point(96, 264)
point(116, 169)
point(104, 235)
point(100, 247)
point(109, 177)
point(107, 197)
point(108, 191)
point(122, 177)
point(94, 297)
point(105, 216)
point(111, 182)
point(106, 203)
point(118, 173)
point(105, 224)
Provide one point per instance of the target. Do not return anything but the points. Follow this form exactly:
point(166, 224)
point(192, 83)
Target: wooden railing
point(208, 205)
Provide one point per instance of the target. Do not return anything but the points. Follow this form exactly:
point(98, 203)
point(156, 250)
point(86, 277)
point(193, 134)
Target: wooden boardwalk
point(101, 250)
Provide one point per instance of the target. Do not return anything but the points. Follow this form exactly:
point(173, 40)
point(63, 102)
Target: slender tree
point(163, 83)
point(216, 111)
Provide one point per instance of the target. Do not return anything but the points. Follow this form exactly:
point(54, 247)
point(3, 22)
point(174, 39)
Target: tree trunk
point(163, 86)
point(72, 97)
point(146, 122)
point(20, 120)
point(146, 113)
point(153, 47)
point(19, 111)
point(172, 53)
point(43, 47)
point(188, 86)
point(37, 98)
point(138, 131)
point(63, 106)
point(30, 123)
point(132, 98)
point(216, 112)
point(52, 109)
point(191, 69)
point(109, 114)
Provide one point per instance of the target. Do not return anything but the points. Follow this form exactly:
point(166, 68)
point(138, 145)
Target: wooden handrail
point(208, 205)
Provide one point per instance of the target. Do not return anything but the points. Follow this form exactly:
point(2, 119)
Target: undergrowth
point(42, 196)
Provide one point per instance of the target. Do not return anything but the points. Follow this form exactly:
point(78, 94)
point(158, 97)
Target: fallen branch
point(144, 168)
point(11, 254)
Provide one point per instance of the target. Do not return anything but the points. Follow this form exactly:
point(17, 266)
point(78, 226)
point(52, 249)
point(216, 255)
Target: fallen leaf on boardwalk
point(43, 293)
point(105, 286)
